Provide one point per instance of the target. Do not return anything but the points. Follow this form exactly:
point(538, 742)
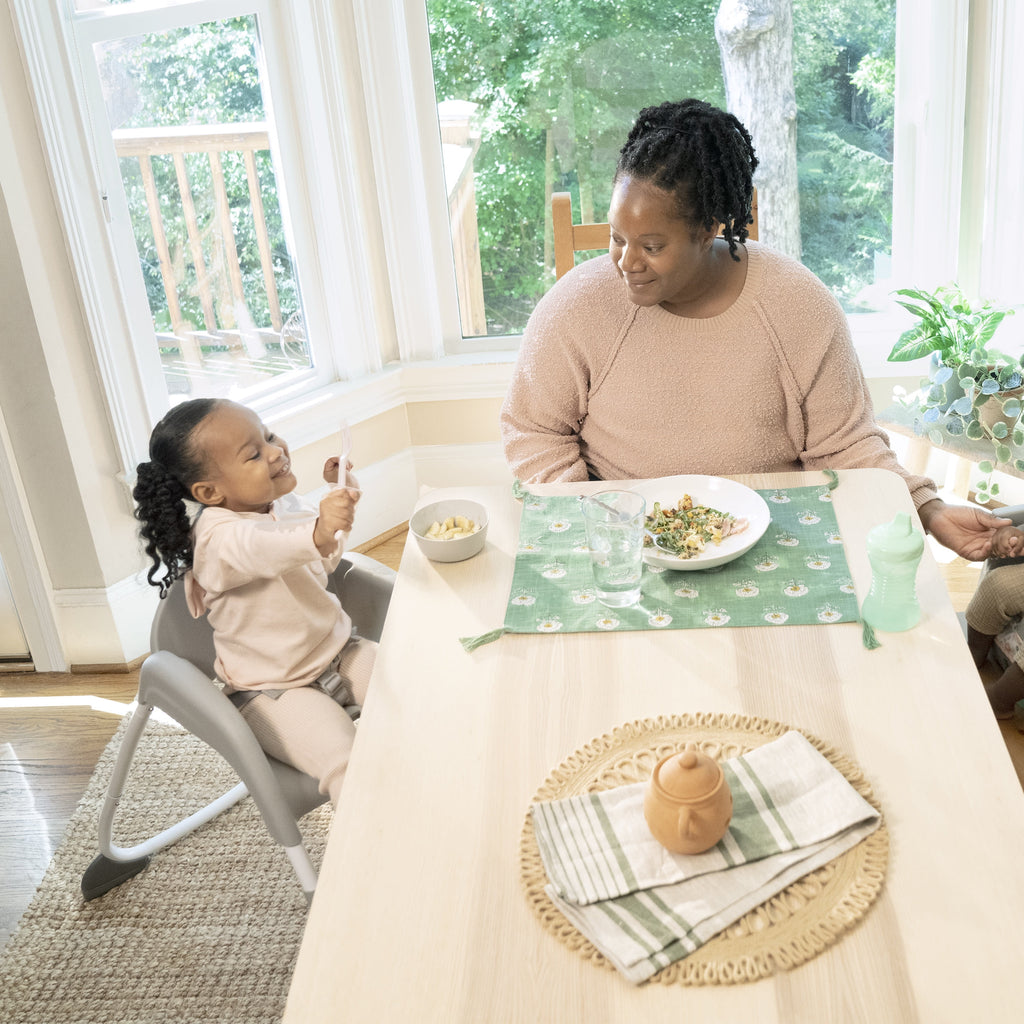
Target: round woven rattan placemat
point(781, 933)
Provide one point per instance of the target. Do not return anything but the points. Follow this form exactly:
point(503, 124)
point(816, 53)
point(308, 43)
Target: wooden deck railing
point(224, 279)
point(218, 281)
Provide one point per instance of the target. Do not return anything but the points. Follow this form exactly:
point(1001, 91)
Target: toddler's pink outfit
point(263, 584)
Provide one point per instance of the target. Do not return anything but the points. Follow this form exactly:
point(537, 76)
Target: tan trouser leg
point(998, 601)
point(305, 728)
point(356, 665)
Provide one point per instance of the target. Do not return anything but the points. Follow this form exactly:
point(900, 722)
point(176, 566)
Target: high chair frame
point(177, 678)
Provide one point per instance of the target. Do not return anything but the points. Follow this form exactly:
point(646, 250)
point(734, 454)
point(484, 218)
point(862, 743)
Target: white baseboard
point(107, 626)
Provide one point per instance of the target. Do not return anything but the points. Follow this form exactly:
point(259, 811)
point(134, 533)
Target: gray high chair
point(177, 678)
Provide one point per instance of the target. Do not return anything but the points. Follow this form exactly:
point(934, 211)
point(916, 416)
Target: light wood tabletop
point(420, 913)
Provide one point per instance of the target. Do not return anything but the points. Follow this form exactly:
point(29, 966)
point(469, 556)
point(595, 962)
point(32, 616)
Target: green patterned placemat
point(796, 574)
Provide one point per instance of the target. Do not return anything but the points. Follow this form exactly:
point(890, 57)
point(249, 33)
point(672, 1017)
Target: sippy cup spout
point(896, 539)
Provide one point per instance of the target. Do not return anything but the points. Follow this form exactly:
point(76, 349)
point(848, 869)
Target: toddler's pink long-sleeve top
point(606, 388)
point(263, 583)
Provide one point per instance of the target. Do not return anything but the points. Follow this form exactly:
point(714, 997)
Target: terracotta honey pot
point(688, 804)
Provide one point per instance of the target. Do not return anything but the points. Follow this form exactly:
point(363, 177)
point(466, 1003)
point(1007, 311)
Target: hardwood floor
point(49, 746)
point(53, 728)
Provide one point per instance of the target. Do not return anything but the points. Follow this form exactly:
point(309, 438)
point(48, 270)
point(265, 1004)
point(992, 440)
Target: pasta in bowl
point(700, 522)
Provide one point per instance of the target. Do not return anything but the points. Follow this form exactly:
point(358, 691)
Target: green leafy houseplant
point(972, 389)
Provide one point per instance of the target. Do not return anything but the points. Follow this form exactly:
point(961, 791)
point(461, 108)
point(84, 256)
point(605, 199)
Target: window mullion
point(394, 45)
point(319, 130)
point(994, 157)
point(931, 84)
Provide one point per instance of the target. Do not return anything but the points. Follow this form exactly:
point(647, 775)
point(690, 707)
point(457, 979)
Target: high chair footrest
point(104, 874)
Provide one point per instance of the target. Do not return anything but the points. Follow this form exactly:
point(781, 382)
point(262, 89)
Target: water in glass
point(615, 534)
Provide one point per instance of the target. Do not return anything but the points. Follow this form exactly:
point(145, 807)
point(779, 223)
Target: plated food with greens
point(700, 522)
point(687, 529)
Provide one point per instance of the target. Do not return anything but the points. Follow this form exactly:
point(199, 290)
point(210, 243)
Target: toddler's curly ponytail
point(162, 487)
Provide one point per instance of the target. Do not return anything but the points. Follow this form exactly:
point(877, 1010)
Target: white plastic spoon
point(346, 450)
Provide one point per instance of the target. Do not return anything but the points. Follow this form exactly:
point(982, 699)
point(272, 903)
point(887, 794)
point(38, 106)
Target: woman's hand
point(967, 530)
point(337, 514)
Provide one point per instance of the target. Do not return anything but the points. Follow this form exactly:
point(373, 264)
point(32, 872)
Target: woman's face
point(662, 260)
point(247, 466)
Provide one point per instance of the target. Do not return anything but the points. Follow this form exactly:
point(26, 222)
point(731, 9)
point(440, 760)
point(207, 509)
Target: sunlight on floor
point(112, 707)
point(29, 861)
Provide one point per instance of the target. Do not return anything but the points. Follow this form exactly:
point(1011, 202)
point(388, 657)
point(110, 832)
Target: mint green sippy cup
point(894, 550)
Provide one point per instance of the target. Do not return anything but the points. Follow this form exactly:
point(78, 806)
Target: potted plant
point(972, 389)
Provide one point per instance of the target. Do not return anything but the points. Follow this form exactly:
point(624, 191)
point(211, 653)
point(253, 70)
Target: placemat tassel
point(871, 642)
point(833, 478)
point(518, 490)
point(471, 643)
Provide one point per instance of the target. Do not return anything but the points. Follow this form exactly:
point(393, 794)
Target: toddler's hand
point(337, 514)
point(331, 468)
point(1007, 542)
point(331, 473)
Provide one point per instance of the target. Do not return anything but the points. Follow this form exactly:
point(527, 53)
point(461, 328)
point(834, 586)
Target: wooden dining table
point(420, 913)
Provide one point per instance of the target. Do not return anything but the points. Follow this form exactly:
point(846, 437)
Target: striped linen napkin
point(645, 907)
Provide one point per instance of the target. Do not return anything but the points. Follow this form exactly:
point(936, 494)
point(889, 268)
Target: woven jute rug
point(787, 930)
point(208, 932)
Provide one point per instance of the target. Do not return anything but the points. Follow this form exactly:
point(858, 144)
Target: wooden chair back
point(570, 238)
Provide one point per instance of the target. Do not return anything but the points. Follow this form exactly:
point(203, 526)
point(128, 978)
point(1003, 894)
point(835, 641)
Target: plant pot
point(990, 412)
point(950, 389)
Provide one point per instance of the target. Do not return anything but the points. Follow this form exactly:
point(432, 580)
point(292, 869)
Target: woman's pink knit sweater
point(609, 389)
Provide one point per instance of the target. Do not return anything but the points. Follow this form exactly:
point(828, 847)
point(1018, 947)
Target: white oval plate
point(726, 496)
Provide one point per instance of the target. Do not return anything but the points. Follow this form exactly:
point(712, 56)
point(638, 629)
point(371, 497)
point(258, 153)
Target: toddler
point(256, 560)
point(998, 602)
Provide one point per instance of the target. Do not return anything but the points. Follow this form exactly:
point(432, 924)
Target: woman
point(693, 350)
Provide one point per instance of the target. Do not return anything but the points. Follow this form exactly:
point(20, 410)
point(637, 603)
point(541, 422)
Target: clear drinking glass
point(615, 536)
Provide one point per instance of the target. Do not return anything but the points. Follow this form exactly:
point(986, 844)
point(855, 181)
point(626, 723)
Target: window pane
point(189, 128)
point(547, 92)
point(844, 57)
point(555, 86)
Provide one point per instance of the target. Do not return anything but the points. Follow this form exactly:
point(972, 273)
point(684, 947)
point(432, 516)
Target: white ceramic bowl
point(458, 548)
point(725, 495)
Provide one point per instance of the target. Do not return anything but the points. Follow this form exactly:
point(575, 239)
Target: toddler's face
point(248, 467)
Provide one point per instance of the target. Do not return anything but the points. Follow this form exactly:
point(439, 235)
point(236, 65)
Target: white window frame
point(318, 133)
point(931, 82)
point(995, 158)
point(394, 51)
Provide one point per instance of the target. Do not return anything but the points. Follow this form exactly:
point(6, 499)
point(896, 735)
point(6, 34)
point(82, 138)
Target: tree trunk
point(755, 38)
